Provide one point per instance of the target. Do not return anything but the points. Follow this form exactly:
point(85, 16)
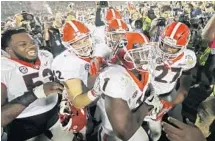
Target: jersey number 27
point(164, 70)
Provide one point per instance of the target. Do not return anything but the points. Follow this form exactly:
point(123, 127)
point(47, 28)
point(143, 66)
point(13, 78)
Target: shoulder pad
point(190, 59)
point(7, 64)
point(116, 83)
point(64, 60)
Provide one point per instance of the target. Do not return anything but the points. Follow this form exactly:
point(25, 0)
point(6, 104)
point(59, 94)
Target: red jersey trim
point(145, 78)
point(178, 58)
point(87, 59)
point(34, 66)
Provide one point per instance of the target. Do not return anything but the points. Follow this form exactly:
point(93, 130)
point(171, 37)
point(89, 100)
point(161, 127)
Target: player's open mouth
point(32, 53)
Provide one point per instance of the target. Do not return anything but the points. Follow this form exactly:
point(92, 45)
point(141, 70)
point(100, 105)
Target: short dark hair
point(7, 34)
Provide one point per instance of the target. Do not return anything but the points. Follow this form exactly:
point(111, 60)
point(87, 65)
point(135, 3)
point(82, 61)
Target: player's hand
point(160, 108)
point(71, 118)
point(96, 87)
point(52, 87)
point(95, 92)
point(48, 88)
point(183, 132)
point(167, 106)
point(95, 65)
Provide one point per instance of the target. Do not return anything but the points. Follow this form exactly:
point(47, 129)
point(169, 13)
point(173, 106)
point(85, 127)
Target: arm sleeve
point(6, 70)
point(4, 78)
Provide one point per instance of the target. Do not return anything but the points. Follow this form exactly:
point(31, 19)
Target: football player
point(123, 104)
point(29, 98)
point(174, 61)
point(115, 31)
point(72, 67)
point(107, 36)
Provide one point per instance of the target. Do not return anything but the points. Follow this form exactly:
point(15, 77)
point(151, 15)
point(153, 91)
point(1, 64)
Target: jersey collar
point(34, 66)
point(141, 84)
point(168, 63)
point(87, 59)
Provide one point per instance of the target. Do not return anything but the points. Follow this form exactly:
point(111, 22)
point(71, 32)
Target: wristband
point(91, 95)
point(39, 92)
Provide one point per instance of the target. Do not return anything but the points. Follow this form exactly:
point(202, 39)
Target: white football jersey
point(116, 82)
point(99, 34)
point(67, 66)
point(100, 47)
point(164, 79)
point(19, 76)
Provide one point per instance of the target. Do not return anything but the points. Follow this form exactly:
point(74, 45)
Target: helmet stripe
point(119, 23)
point(113, 13)
point(175, 30)
point(144, 37)
point(73, 26)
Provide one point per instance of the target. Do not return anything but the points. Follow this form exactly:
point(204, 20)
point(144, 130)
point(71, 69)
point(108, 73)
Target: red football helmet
point(78, 36)
point(136, 54)
point(71, 118)
point(174, 40)
point(112, 14)
point(115, 30)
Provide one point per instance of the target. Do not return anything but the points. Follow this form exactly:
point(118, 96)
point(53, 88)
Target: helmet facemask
point(114, 37)
point(141, 57)
point(82, 46)
point(168, 49)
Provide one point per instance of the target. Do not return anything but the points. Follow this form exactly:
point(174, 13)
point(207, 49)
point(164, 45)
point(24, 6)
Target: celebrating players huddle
point(129, 79)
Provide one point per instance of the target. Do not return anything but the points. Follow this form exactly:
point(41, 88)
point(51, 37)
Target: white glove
point(65, 115)
point(154, 101)
point(71, 118)
point(95, 92)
